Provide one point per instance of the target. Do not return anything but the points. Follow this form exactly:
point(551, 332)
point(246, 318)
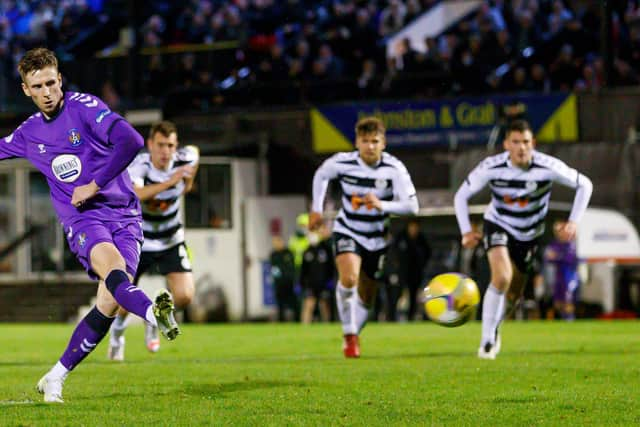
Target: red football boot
point(351, 346)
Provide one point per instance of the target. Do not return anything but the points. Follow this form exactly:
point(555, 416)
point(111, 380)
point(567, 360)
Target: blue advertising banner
point(448, 121)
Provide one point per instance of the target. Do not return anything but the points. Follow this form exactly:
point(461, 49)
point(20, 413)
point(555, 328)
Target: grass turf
point(549, 373)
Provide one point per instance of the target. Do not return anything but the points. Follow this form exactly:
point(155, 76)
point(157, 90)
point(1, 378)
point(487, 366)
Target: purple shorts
point(564, 291)
point(126, 236)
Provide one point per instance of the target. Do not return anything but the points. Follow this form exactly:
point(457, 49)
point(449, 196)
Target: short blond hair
point(36, 59)
point(370, 124)
point(165, 127)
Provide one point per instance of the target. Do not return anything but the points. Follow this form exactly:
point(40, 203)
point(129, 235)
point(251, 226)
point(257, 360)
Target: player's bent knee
point(349, 280)
point(183, 299)
point(107, 305)
point(501, 281)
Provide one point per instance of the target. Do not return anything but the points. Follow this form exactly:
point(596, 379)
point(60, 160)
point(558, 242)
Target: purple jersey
point(70, 149)
point(564, 259)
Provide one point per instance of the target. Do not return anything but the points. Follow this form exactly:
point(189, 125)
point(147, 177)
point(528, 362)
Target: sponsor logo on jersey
point(74, 137)
point(498, 238)
point(381, 184)
point(66, 167)
point(102, 114)
point(349, 180)
point(521, 201)
point(499, 183)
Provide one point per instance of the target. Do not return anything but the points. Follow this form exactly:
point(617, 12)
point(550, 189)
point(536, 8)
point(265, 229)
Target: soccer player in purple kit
point(83, 149)
point(561, 258)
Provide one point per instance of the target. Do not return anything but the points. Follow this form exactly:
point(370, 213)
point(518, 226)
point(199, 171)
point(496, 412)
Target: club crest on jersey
point(381, 184)
point(82, 239)
point(66, 167)
point(74, 137)
point(531, 185)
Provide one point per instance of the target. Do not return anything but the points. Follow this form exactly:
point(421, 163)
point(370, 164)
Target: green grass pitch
point(548, 374)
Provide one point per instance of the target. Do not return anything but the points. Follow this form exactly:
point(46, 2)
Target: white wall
point(218, 253)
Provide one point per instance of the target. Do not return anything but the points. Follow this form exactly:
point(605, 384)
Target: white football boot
point(489, 351)
point(116, 349)
point(51, 388)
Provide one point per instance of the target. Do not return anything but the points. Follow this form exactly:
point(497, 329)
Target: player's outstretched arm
point(581, 199)
point(325, 173)
point(476, 180)
point(570, 177)
point(12, 146)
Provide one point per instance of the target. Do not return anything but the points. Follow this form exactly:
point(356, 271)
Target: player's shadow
point(604, 350)
point(24, 363)
point(421, 355)
point(221, 389)
point(205, 389)
point(523, 400)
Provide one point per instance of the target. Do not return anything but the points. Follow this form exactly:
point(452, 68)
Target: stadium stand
point(319, 51)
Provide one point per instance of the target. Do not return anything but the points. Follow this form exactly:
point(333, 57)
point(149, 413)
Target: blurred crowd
point(322, 50)
point(54, 23)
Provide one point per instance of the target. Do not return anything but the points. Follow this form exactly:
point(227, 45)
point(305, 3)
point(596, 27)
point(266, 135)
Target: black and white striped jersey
point(161, 214)
point(520, 197)
point(389, 180)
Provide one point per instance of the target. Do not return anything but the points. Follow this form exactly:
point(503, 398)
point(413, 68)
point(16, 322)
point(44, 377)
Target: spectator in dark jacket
point(413, 253)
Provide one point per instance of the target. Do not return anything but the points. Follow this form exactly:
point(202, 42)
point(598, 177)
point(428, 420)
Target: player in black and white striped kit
point(374, 185)
point(520, 180)
point(160, 177)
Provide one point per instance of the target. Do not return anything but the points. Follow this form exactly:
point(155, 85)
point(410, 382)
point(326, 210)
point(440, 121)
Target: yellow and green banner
point(464, 121)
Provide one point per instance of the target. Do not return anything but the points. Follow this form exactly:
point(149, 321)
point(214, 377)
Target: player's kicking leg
point(493, 305)
point(115, 290)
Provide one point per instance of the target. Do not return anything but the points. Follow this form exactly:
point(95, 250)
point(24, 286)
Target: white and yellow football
point(451, 299)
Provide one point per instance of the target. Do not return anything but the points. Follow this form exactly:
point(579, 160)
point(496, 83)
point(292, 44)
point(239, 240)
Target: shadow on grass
point(200, 390)
point(519, 399)
point(422, 355)
point(604, 350)
point(23, 402)
point(24, 363)
point(237, 386)
point(220, 360)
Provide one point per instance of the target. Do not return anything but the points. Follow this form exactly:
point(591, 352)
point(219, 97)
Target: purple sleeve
point(12, 146)
point(126, 143)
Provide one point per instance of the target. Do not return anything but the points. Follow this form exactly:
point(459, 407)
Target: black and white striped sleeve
point(570, 177)
point(327, 171)
point(475, 181)
point(137, 170)
point(405, 200)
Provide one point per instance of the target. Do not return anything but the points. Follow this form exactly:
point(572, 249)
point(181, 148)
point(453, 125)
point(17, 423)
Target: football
point(451, 299)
